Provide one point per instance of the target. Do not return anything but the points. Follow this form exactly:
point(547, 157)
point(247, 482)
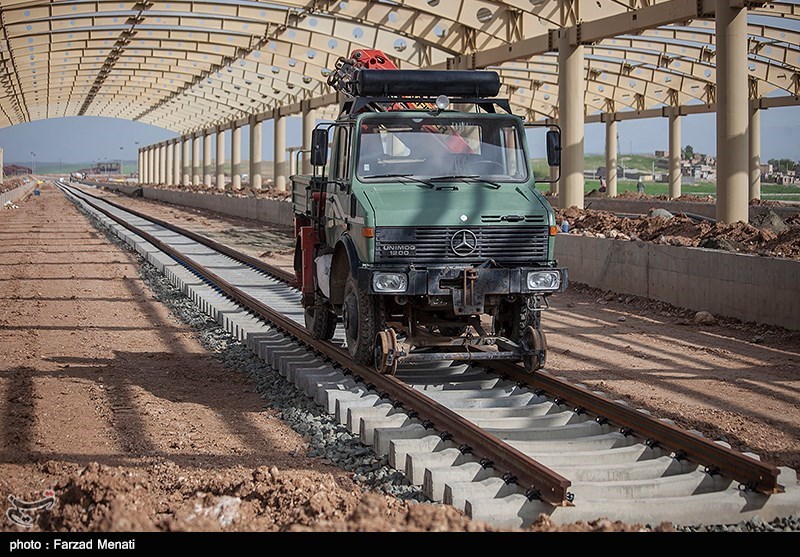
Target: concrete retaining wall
point(746, 287)
point(263, 210)
point(16, 193)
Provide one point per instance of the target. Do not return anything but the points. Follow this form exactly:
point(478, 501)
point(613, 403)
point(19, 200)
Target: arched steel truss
point(187, 66)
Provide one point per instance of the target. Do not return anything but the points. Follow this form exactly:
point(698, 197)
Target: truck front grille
point(454, 244)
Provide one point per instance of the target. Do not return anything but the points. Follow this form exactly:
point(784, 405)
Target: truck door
point(337, 209)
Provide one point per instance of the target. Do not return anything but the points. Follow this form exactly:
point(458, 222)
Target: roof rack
point(351, 107)
point(368, 86)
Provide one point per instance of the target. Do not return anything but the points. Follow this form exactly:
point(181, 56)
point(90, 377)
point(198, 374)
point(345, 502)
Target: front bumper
point(468, 287)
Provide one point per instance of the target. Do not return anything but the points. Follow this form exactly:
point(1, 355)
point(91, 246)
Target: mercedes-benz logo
point(464, 243)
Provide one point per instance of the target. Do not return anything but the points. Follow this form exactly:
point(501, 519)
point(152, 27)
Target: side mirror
point(554, 148)
point(319, 147)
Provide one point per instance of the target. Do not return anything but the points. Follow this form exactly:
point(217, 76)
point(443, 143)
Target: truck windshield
point(440, 147)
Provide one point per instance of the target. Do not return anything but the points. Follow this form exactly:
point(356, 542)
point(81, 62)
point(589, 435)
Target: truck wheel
point(513, 318)
point(363, 318)
point(536, 343)
point(320, 322)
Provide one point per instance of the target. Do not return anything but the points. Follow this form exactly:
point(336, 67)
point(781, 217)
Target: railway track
point(503, 445)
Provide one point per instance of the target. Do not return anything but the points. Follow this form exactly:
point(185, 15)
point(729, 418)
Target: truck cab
point(423, 233)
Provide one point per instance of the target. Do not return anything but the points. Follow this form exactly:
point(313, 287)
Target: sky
point(92, 139)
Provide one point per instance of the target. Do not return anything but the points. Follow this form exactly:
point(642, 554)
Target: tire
point(513, 318)
point(537, 342)
point(320, 322)
point(524, 327)
point(363, 316)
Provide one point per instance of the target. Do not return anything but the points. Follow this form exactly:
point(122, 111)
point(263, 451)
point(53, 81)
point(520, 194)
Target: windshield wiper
point(411, 177)
point(472, 178)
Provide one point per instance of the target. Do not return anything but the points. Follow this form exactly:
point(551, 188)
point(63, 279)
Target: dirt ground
point(111, 403)
point(728, 379)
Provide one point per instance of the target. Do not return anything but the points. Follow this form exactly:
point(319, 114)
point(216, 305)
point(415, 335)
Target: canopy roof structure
point(190, 65)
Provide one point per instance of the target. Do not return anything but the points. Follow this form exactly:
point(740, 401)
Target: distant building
point(785, 179)
point(16, 170)
point(106, 168)
point(703, 172)
point(601, 172)
point(660, 153)
point(702, 158)
point(642, 176)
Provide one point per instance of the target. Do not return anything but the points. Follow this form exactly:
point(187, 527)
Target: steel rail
point(750, 472)
point(277, 272)
point(516, 467)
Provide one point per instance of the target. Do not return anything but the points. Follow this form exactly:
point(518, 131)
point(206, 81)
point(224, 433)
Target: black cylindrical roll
point(428, 83)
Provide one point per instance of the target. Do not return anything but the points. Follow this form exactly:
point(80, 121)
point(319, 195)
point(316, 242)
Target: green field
point(768, 191)
point(644, 163)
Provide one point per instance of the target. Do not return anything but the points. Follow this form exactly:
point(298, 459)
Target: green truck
point(422, 233)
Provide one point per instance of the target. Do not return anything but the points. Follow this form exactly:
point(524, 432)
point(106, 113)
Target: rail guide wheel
point(386, 352)
point(535, 345)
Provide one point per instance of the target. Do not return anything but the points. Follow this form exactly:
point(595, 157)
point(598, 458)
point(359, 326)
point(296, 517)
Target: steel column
point(571, 90)
point(207, 158)
point(755, 153)
point(168, 155)
point(236, 157)
point(221, 160)
point(154, 172)
point(733, 167)
point(279, 169)
point(162, 166)
point(309, 121)
point(611, 157)
point(674, 154)
point(176, 162)
point(151, 167)
point(188, 161)
point(255, 154)
point(197, 162)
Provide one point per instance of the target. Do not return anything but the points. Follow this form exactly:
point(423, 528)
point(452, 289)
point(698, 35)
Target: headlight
point(544, 280)
point(389, 282)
